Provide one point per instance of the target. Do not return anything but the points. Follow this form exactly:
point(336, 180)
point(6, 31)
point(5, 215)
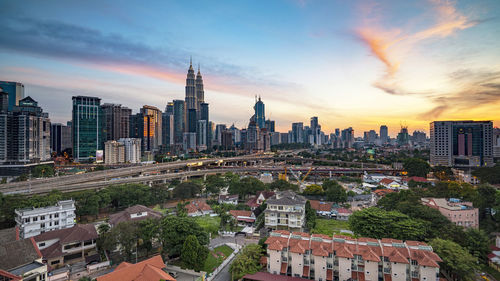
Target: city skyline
point(373, 64)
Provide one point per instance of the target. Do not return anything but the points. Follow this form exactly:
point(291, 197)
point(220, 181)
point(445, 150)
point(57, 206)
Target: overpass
point(163, 177)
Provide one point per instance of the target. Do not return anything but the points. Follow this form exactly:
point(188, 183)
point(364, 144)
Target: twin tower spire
point(195, 95)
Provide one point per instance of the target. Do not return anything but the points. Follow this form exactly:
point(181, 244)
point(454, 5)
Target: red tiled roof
point(197, 205)
point(10, 276)
point(252, 202)
point(344, 211)
point(416, 179)
point(240, 213)
point(150, 269)
point(321, 206)
point(344, 252)
point(383, 192)
point(386, 181)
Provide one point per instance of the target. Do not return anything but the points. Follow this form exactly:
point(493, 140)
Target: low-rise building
point(285, 210)
point(67, 246)
point(150, 269)
point(134, 213)
point(20, 259)
point(390, 183)
point(33, 221)
point(228, 199)
point(361, 201)
point(341, 214)
point(261, 196)
point(459, 212)
point(243, 217)
point(321, 257)
point(198, 208)
point(322, 208)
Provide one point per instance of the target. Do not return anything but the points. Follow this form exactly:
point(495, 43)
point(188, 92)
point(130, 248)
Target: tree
point(377, 223)
point(334, 191)
point(456, 259)
point(126, 235)
point(488, 174)
point(282, 185)
point(43, 171)
point(227, 222)
point(476, 242)
point(175, 230)
point(187, 190)
point(247, 262)
point(416, 167)
point(148, 231)
point(310, 216)
point(246, 186)
point(313, 189)
point(193, 254)
point(214, 183)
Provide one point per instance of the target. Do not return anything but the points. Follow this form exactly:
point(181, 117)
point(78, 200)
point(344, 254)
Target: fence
point(236, 249)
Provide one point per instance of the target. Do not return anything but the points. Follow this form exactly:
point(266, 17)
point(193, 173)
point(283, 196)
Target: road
point(224, 274)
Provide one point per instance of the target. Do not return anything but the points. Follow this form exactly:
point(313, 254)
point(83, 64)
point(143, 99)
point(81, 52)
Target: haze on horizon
point(351, 63)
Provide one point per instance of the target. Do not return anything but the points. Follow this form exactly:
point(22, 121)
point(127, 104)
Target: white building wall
point(398, 271)
point(428, 273)
point(344, 269)
point(371, 271)
point(297, 264)
point(274, 261)
point(320, 268)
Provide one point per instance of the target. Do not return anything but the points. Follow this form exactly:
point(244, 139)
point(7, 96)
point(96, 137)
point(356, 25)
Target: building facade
point(260, 113)
point(132, 149)
point(116, 121)
point(285, 210)
point(461, 143)
point(60, 138)
point(33, 221)
point(15, 90)
point(87, 127)
point(114, 152)
point(321, 257)
point(459, 212)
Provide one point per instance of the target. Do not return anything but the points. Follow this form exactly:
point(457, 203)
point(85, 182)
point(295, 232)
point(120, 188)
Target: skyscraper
point(179, 120)
point(15, 91)
point(191, 120)
point(461, 143)
point(270, 125)
point(190, 88)
point(152, 134)
point(201, 135)
point(87, 127)
point(297, 132)
point(384, 136)
point(260, 115)
point(60, 138)
point(200, 93)
point(116, 121)
point(204, 115)
point(167, 129)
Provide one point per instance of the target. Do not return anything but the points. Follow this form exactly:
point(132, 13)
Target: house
point(228, 199)
point(322, 257)
point(33, 221)
point(390, 183)
point(361, 201)
point(285, 210)
point(322, 208)
point(243, 217)
point(459, 212)
point(20, 259)
point(69, 245)
point(342, 214)
point(198, 208)
point(134, 213)
point(150, 269)
point(261, 196)
point(382, 192)
point(494, 256)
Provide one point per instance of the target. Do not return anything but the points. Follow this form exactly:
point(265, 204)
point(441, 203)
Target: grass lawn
point(209, 224)
point(330, 226)
point(216, 257)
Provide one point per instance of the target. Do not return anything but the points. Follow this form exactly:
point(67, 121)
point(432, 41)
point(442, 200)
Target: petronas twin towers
point(195, 95)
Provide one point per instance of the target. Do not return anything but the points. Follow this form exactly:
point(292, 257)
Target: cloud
point(114, 52)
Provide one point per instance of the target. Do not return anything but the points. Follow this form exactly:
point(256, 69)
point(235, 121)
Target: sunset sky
point(351, 63)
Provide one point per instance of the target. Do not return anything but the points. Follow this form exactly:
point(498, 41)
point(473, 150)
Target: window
point(54, 262)
point(56, 223)
point(386, 259)
point(42, 225)
point(41, 244)
point(414, 262)
point(35, 218)
point(42, 218)
point(56, 215)
point(26, 220)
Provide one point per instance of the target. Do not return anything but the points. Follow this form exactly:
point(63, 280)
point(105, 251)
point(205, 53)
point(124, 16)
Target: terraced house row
point(321, 257)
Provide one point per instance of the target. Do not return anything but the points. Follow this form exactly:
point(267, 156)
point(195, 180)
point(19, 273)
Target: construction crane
point(304, 178)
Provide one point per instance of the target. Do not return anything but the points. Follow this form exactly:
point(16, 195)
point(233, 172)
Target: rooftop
point(287, 198)
point(16, 253)
point(150, 269)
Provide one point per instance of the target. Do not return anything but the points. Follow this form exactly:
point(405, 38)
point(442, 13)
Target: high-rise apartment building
point(60, 138)
point(260, 113)
point(384, 134)
point(461, 143)
point(132, 149)
point(370, 137)
point(116, 121)
point(189, 141)
point(298, 132)
point(15, 91)
point(114, 152)
point(201, 135)
point(496, 143)
point(347, 138)
point(152, 128)
point(87, 127)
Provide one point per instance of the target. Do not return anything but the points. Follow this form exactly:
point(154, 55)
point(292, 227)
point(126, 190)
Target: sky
point(355, 64)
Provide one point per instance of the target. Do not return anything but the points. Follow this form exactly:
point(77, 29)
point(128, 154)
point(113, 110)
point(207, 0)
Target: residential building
point(33, 221)
point(494, 256)
point(150, 269)
point(87, 127)
point(496, 143)
point(243, 217)
point(461, 213)
point(198, 208)
point(15, 91)
point(133, 214)
point(341, 214)
point(322, 208)
point(20, 259)
point(116, 121)
point(114, 152)
point(228, 199)
point(261, 196)
point(347, 138)
point(285, 210)
point(322, 257)
point(68, 245)
point(132, 149)
point(461, 143)
point(201, 135)
point(384, 134)
point(227, 140)
point(60, 138)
